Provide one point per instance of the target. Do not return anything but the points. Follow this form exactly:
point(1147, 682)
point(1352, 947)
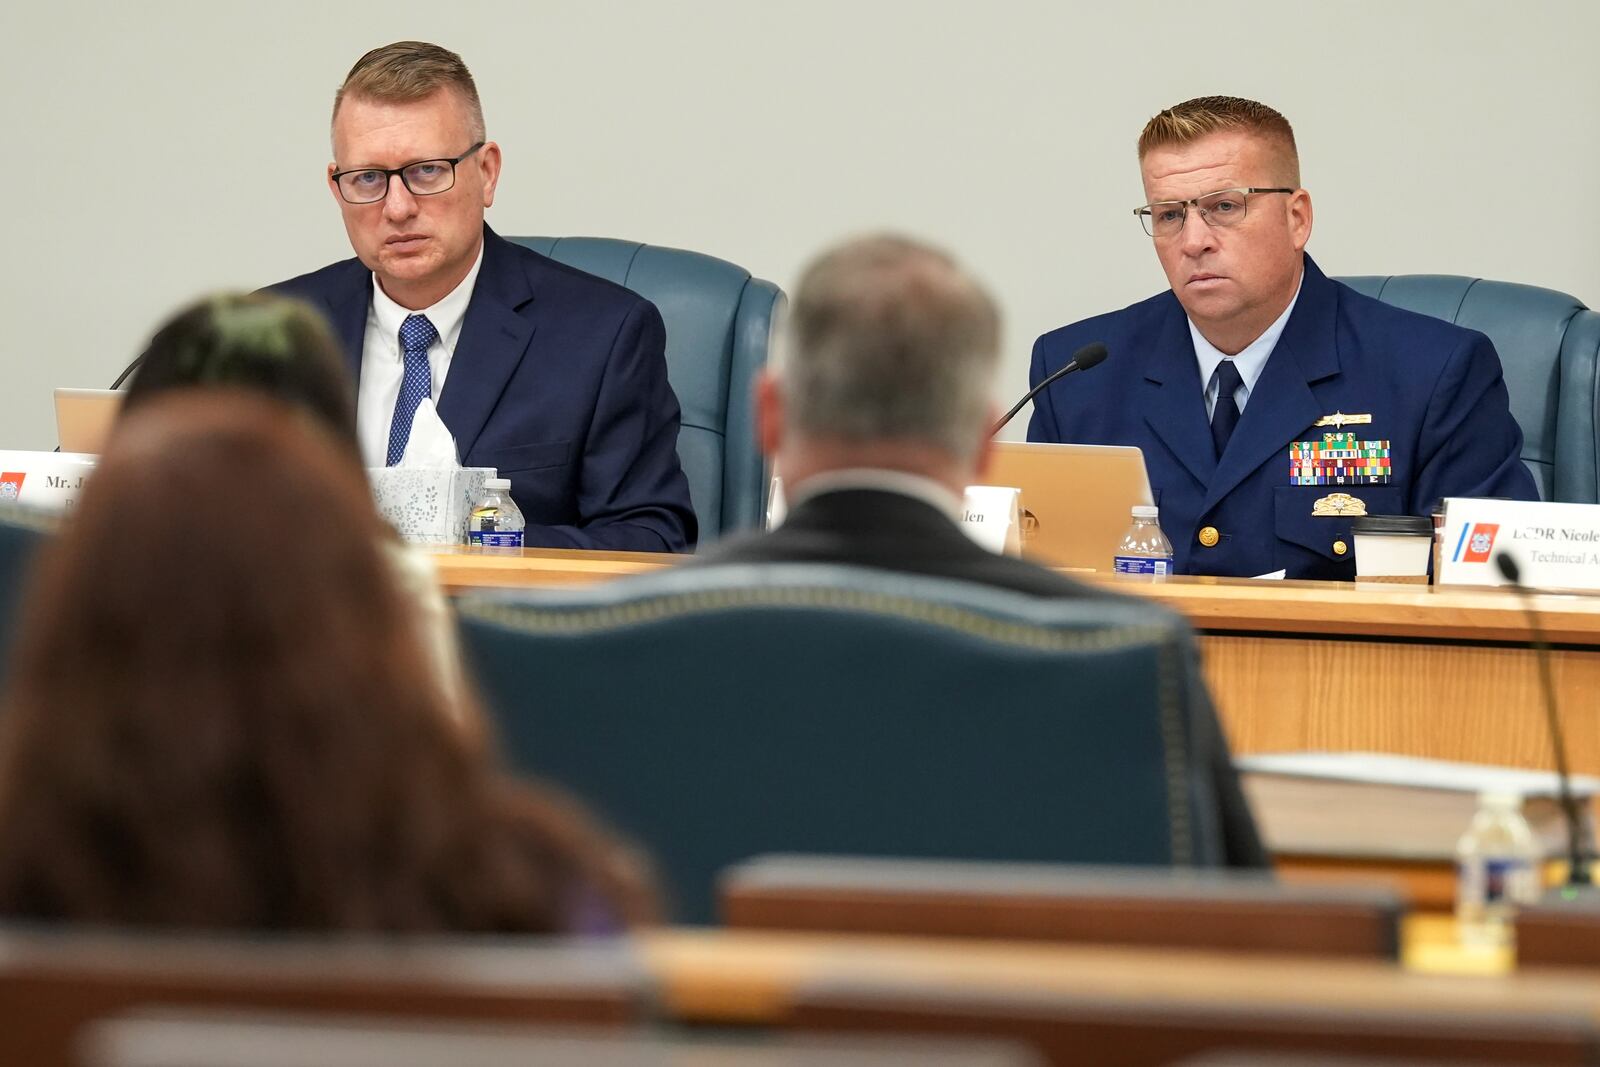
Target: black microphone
point(1578, 876)
point(1089, 355)
point(129, 369)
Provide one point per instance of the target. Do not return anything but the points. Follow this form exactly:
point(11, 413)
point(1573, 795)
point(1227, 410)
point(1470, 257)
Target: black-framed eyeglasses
point(425, 177)
point(1225, 207)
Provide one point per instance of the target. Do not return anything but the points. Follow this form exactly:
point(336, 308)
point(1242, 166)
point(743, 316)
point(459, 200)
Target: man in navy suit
point(556, 378)
point(1272, 403)
point(878, 417)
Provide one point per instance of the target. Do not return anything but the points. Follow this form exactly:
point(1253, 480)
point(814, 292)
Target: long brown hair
point(219, 714)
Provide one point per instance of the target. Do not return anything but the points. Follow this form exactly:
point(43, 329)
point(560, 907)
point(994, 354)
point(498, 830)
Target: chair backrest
point(717, 713)
point(1216, 909)
point(1549, 345)
point(55, 983)
point(719, 324)
point(21, 535)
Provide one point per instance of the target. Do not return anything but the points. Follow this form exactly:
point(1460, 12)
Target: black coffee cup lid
point(1392, 524)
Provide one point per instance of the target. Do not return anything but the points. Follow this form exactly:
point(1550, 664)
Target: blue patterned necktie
point(416, 334)
point(1225, 414)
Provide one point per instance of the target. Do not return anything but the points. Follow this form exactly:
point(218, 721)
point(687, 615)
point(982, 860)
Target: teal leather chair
point(22, 533)
point(1549, 345)
point(712, 714)
point(719, 323)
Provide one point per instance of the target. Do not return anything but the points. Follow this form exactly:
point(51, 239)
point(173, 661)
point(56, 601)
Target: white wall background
point(158, 150)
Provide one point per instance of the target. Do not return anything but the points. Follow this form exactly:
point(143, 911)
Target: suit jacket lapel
point(1174, 401)
point(1282, 406)
point(494, 336)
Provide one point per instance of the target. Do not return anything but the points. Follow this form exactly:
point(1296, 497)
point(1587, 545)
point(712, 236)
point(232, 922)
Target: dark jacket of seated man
point(559, 381)
point(899, 522)
point(1361, 407)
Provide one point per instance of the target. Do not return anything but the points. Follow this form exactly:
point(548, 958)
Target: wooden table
point(750, 977)
point(1338, 666)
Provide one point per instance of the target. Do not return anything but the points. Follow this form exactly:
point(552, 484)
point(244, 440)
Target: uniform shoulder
point(1425, 331)
point(1107, 326)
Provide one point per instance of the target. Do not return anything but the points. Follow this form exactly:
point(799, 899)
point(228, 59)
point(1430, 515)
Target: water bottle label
point(1502, 878)
point(1142, 565)
point(492, 539)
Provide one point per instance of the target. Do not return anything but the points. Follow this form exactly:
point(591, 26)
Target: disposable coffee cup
point(1393, 548)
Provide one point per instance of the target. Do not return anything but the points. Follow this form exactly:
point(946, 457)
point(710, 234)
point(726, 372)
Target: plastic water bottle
point(1497, 868)
point(496, 521)
point(1144, 549)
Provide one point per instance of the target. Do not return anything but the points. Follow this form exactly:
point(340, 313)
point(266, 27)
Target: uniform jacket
point(1436, 423)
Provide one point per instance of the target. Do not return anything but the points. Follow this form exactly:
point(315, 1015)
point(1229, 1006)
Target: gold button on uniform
point(1340, 548)
point(1209, 536)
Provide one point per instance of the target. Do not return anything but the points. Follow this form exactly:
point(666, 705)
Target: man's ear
point(489, 166)
point(1300, 219)
point(769, 412)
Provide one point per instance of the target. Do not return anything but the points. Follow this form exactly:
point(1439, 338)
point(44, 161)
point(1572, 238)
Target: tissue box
point(428, 507)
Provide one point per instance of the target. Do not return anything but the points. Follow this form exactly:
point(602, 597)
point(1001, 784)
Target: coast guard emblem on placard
point(1478, 542)
point(10, 485)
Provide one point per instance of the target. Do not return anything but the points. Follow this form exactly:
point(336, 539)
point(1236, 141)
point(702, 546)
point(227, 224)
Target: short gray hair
point(890, 340)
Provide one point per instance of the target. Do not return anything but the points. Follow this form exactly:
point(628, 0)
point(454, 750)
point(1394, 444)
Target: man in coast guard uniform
point(554, 377)
point(1272, 404)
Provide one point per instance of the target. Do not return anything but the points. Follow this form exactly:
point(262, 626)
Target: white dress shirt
point(383, 365)
point(1250, 361)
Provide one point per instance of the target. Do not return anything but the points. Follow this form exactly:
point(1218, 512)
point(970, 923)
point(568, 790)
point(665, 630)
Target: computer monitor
point(84, 418)
point(1077, 500)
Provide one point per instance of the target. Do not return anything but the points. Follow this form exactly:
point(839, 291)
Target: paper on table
point(430, 446)
point(1382, 768)
point(1270, 576)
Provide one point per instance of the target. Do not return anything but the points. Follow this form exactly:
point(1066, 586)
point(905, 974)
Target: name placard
point(992, 516)
point(1555, 546)
point(49, 481)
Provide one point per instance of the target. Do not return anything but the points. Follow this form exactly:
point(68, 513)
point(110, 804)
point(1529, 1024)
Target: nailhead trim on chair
point(660, 608)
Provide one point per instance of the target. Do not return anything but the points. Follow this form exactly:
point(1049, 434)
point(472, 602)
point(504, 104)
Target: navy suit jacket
point(559, 381)
point(1434, 391)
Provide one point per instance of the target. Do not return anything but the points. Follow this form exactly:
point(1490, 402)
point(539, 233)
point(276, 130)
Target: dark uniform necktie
point(416, 334)
point(1225, 415)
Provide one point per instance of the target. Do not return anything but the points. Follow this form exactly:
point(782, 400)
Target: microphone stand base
point(1557, 896)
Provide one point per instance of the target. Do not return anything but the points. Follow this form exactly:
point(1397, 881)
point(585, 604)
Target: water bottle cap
point(497, 483)
point(1145, 511)
point(1500, 800)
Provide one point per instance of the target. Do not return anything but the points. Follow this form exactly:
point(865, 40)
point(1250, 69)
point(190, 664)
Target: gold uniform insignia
point(1339, 504)
point(1339, 420)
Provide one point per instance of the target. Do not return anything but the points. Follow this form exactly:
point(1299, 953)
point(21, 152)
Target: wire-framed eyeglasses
point(1225, 207)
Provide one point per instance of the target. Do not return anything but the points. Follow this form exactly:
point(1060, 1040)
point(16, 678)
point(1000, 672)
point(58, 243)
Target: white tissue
point(430, 445)
point(427, 496)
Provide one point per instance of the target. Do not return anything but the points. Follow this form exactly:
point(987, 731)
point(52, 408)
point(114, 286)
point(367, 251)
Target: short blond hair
point(1204, 115)
point(412, 70)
